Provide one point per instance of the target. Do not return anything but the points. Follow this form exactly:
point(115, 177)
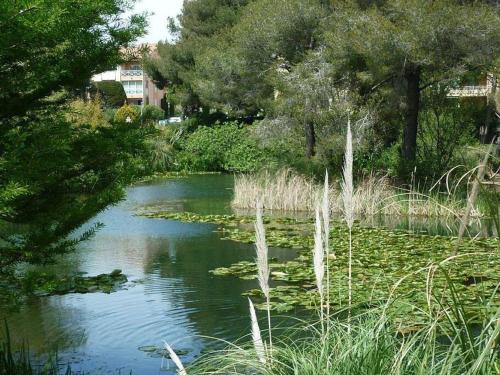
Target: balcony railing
point(132, 73)
point(469, 91)
point(131, 92)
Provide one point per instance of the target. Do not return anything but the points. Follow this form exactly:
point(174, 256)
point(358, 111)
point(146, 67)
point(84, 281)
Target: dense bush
point(226, 147)
point(152, 113)
point(127, 111)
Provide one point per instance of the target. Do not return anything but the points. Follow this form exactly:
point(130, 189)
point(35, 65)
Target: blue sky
point(162, 9)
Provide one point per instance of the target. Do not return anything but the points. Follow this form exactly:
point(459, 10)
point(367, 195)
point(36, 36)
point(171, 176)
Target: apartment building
point(138, 86)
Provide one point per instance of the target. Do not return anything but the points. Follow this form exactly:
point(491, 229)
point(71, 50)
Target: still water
point(173, 298)
point(170, 295)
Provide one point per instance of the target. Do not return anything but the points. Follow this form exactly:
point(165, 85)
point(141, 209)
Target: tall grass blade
point(471, 200)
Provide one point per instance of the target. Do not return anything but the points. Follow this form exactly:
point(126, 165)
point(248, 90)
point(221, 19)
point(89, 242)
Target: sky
point(162, 9)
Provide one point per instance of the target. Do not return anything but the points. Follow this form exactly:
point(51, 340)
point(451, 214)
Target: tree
point(48, 46)
point(412, 46)
point(174, 66)
point(238, 72)
point(57, 168)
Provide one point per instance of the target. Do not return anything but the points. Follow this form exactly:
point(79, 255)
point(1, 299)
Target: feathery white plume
point(263, 270)
point(175, 358)
point(261, 247)
point(256, 336)
point(347, 184)
point(319, 255)
point(325, 210)
point(347, 195)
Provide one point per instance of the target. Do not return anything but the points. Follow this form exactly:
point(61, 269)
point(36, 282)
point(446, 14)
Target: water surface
point(174, 297)
point(171, 295)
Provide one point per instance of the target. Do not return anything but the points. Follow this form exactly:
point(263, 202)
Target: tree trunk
point(412, 76)
point(310, 139)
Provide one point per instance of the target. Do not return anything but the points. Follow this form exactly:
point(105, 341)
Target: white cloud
point(161, 9)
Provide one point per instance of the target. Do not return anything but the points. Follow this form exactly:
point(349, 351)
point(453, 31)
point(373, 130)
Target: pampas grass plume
point(175, 358)
point(263, 270)
point(319, 255)
point(347, 197)
point(347, 183)
point(262, 251)
point(256, 336)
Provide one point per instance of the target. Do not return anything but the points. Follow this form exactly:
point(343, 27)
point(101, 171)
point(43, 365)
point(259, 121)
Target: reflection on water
point(171, 296)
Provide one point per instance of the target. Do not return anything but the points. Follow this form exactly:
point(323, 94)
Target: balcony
point(132, 75)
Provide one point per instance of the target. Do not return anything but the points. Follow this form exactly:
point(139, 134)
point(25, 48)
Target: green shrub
point(127, 111)
point(226, 147)
point(152, 113)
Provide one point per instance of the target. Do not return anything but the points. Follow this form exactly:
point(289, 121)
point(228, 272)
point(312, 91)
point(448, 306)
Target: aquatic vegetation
point(43, 284)
point(18, 362)
point(382, 258)
point(189, 217)
point(159, 352)
point(430, 327)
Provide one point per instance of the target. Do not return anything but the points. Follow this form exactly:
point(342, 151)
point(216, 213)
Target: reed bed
point(285, 190)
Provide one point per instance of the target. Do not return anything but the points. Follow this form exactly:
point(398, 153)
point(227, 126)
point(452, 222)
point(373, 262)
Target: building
point(138, 87)
point(486, 90)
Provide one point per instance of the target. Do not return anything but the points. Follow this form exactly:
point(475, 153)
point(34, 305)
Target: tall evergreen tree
point(412, 46)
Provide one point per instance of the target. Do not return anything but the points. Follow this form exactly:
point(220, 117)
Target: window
point(132, 87)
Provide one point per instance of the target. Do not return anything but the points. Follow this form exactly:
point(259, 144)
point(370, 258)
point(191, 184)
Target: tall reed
point(263, 269)
point(347, 197)
point(287, 191)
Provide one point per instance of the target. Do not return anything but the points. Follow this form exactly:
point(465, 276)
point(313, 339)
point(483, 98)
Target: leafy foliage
point(111, 93)
point(225, 147)
point(48, 46)
point(59, 164)
point(127, 114)
point(152, 113)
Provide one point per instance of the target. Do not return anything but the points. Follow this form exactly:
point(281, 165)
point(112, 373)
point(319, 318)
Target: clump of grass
point(18, 362)
point(285, 190)
point(373, 343)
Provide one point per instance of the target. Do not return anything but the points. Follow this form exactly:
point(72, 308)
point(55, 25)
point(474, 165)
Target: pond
point(170, 294)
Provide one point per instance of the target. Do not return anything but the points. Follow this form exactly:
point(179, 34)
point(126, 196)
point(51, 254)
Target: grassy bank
point(371, 344)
